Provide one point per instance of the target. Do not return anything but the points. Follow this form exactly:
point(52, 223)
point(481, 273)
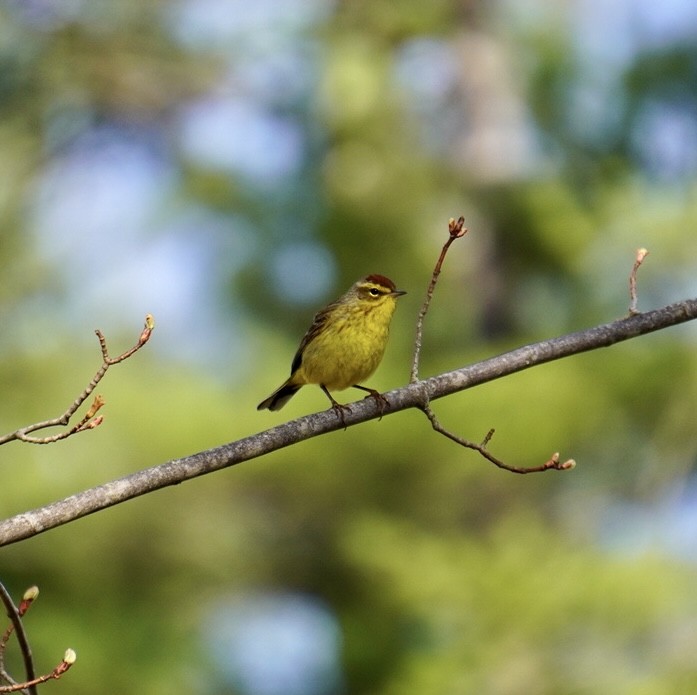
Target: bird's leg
point(380, 400)
point(337, 407)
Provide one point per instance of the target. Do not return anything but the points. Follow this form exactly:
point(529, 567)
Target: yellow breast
point(350, 348)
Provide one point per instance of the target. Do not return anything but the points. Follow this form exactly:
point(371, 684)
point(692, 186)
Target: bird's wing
point(318, 324)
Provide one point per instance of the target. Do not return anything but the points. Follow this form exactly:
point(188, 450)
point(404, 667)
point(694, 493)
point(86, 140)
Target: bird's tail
point(279, 397)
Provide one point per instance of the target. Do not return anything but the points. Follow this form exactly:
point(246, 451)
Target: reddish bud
point(456, 228)
point(27, 599)
point(31, 593)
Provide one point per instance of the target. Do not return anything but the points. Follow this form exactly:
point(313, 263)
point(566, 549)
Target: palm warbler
point(344, 345)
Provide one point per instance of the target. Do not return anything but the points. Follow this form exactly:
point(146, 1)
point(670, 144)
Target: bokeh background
point(230, 167)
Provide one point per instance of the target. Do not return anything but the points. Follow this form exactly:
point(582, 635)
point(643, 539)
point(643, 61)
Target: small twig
point(552, 464)
point(89, 421)
point(15, 616)
point(456, 229)
point(640, 256)
point(30, 685)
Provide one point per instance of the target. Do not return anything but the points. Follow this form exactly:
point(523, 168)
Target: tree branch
point(89, 421)
point(415, 395)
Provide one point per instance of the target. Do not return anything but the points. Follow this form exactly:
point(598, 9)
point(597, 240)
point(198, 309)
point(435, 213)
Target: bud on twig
point(640, 256)
point(94, 423)
point(68, 660)
point(97, 403)
point(147, 330)
point(456, 227)
point(69, 657)
point(28, 598)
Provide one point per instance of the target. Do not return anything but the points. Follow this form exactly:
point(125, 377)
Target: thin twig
point(552, 464)
point(18, 627)
point(456, 229)
point(30, 685)
point(89, 421)
point(640, 256)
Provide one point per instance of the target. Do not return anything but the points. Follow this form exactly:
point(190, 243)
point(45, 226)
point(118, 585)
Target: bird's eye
point(374, 291)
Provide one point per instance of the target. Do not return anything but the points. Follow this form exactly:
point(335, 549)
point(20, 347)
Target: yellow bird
point(344, 345)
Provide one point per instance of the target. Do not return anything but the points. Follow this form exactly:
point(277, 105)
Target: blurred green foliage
point(444, 574)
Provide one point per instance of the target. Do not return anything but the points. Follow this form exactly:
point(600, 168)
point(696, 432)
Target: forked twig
point(89, 421)
point(15, 614)
point(456, 229)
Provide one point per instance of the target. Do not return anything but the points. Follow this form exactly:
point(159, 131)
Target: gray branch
point(415, 395)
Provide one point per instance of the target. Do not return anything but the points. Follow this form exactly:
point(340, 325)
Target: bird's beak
point(397, 293)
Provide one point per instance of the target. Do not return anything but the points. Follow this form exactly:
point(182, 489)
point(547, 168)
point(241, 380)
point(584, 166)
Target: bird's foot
point(340, 409)
point(380, 401)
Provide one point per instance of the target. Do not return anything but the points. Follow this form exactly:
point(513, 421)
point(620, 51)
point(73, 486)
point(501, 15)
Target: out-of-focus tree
point(230, 167)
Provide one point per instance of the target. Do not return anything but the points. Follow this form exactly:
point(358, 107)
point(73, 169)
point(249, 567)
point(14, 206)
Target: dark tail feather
point(279, 397)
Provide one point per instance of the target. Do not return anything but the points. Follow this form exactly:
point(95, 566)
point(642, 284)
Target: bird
point(344, 345)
